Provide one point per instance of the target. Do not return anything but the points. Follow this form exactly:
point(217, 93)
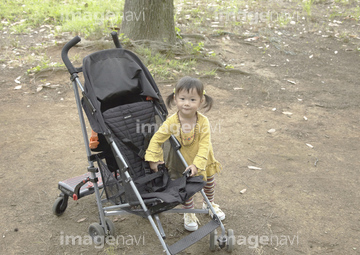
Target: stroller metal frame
point(106, 227)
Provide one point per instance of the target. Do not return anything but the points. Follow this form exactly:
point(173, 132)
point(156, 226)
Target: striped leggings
point(209, 190)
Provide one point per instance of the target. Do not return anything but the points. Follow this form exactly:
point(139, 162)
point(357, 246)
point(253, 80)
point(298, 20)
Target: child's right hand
point(154, 165)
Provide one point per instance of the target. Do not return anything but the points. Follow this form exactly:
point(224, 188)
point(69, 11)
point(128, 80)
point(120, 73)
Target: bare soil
point(304, 200)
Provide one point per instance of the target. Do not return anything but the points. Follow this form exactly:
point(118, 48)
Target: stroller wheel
point(97, 233)
point(110, 226)
point(213, 237)
point(60, 205)
point(230, 240)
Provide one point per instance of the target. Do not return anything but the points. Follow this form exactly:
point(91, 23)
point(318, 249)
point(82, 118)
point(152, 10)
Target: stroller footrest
point(68, 186)
point(194, 237)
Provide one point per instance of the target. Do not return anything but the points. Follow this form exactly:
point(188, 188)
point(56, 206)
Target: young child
point(192, 130)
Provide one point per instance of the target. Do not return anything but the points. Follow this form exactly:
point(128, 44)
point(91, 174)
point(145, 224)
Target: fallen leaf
point(271, 131)
point(238, 88)
point(292, 82)
point(243, 191)
point(287, 113)
point(309, 145)
point(251, 39)
point(254, 168)
point(81, 220)
point(18, 87)
point(119, 219)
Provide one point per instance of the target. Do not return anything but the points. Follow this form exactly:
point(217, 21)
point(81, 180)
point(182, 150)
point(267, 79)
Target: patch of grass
point(44, 63)
point(93, 17)
point(196, 49)
point(209, 73)
point(307, 6)
point(164, 66)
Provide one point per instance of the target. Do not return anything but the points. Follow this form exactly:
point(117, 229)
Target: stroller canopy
point(112, 76)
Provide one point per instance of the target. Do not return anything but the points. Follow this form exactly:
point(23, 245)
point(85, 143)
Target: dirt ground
point(295, 116)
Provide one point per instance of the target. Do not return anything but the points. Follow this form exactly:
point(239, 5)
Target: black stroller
point(123, 106)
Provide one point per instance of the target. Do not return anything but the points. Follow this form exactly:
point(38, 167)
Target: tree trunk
point(149, 20)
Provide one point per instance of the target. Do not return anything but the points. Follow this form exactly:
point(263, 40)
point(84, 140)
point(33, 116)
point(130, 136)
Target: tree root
point(221, 66)
point(161, 47)
point(164, 47)
point(232, 70)
point(42, 73)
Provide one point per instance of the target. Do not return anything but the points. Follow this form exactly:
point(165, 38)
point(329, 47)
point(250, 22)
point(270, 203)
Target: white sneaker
point(218, 211)
point(191, 222)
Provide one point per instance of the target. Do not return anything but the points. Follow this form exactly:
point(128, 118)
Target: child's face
point(188, 102)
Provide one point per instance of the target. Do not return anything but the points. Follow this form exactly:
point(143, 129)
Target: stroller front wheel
point(230, 240)
point(110, 227)
point(213, 241)
point(97, 233)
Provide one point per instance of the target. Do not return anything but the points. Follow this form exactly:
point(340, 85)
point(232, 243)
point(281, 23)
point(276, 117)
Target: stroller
point(123, 106)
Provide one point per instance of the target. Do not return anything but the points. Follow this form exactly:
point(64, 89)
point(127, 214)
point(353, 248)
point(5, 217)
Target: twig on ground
point(252, 161)
point(316, 161)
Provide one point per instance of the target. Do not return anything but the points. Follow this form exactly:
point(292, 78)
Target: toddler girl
point(192, 130)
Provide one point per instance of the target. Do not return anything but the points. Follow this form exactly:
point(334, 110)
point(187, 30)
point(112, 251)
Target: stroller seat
point(132, 126)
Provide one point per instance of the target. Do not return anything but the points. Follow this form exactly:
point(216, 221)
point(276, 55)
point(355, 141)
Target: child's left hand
point(193, 170)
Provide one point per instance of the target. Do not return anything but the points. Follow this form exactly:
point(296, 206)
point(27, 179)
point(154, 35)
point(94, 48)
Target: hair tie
point(204, 92)
point(174, 91)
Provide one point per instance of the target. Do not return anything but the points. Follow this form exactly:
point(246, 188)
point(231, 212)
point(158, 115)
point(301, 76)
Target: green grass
point(92, 17)
point(164, 66)
point(44, 63)
point(307, 6)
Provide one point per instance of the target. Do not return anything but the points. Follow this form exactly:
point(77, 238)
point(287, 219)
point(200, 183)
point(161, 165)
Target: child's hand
point(193, 170)
point(154, 165)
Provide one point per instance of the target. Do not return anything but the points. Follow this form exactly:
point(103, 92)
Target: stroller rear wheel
point(60, 205)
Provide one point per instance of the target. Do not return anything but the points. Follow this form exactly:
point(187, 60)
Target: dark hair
point(188, 83)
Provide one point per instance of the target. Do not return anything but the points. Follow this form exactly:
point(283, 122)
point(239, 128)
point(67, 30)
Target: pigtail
point(208, 103)
point(170, 100)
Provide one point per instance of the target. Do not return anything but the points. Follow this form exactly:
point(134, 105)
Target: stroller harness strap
point(133, 147)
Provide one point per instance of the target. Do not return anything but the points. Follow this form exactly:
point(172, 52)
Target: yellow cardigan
point(196, 145)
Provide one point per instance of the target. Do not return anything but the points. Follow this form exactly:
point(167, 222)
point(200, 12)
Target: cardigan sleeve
point(200, 160)
point(154, 152)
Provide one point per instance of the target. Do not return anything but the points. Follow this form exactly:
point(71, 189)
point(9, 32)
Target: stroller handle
point(115, 38)
point(65, 57)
